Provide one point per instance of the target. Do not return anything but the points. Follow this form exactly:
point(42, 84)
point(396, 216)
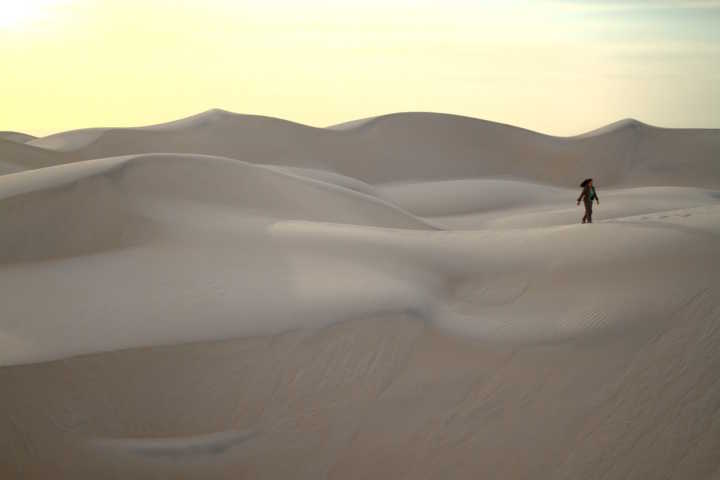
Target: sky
point(560, 67)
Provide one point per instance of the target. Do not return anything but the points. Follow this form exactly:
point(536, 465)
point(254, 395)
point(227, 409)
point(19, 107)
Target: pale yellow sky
point(559, 67)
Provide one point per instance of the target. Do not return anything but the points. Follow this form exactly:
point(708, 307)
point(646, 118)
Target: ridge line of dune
point(361, 123)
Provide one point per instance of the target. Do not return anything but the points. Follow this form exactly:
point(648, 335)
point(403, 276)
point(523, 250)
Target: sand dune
point(421, 146)
point(17, 137)
point(408, 296)
point(499, 203)
point(16, 157)
point(298, 232)
point(129, 195)
point(386, 397)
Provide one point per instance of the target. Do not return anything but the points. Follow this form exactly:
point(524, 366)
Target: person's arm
point(597, 199)
point(582, 194)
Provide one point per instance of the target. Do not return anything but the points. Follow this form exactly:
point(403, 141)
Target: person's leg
point(588, 213)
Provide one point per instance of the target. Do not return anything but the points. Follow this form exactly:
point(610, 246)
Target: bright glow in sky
point(16, 14)
point(556, 66)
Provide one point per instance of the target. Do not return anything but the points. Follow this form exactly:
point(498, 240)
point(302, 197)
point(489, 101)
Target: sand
point(409, 296)
point(419, 147)
point(17, 137)
point(17, 157)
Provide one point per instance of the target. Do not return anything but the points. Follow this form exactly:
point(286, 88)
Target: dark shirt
point(588, 194)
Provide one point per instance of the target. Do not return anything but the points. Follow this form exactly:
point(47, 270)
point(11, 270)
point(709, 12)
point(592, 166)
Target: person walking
point(587, 195)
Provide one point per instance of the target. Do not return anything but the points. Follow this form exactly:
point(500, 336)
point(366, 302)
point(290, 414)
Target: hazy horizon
point(552, 66)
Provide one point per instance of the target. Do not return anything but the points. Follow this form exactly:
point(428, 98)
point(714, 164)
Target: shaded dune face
point(17, 137)
point(79, 218)
point(16, 156)
point(88, 211)
point(408, 296)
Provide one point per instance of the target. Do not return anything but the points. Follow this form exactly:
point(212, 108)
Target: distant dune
point(16, 137)
point(420, 146)
point(17, 157)
point(408, 296)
